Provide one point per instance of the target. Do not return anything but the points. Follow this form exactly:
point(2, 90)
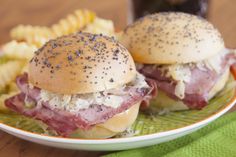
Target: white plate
point(117, 143)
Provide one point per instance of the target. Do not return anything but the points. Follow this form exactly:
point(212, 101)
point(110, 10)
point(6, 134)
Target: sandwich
point(184, 54)
point(82, 85)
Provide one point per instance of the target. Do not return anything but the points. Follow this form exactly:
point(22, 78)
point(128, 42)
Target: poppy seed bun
point(170, 38)
point(81, 63)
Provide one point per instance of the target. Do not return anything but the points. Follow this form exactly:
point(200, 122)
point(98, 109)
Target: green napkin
point(218, 139)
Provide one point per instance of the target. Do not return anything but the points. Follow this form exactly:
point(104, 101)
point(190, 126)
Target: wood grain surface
point(44, 12)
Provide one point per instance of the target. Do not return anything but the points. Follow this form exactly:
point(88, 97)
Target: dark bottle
point(144, 7)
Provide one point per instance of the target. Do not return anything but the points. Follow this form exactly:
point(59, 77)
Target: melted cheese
point(74, 103)
point(179, 72)
point(180, 89)
point(110, 100)
point(139, 82)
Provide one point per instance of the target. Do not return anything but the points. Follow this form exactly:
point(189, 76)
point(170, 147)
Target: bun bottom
point(111, 127)
point(219, 84)
point(162, 101)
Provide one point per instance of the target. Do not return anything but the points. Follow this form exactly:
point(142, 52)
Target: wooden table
point(44, 12)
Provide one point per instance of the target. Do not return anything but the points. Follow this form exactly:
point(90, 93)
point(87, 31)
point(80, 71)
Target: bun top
point(81, 63)
point(170, 38)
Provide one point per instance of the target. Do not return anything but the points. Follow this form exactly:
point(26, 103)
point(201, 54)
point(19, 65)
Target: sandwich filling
point(67, 113)
point(190, 83)
point(110, 98)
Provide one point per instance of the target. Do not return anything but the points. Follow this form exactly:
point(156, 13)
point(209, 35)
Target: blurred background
point(43, 12)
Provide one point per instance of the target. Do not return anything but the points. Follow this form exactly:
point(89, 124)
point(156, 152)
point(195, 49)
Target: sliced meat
point(197, 89)
point(62, 123)
point(65, 123)
point(22, 83)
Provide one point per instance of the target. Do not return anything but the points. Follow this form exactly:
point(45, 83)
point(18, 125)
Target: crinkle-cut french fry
point(36, 35)
point(18, 50)
point(12, 87)
point(9, 71)
point(101, 26)
point(39, 35)
point(25, 68)
point(73, 22)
